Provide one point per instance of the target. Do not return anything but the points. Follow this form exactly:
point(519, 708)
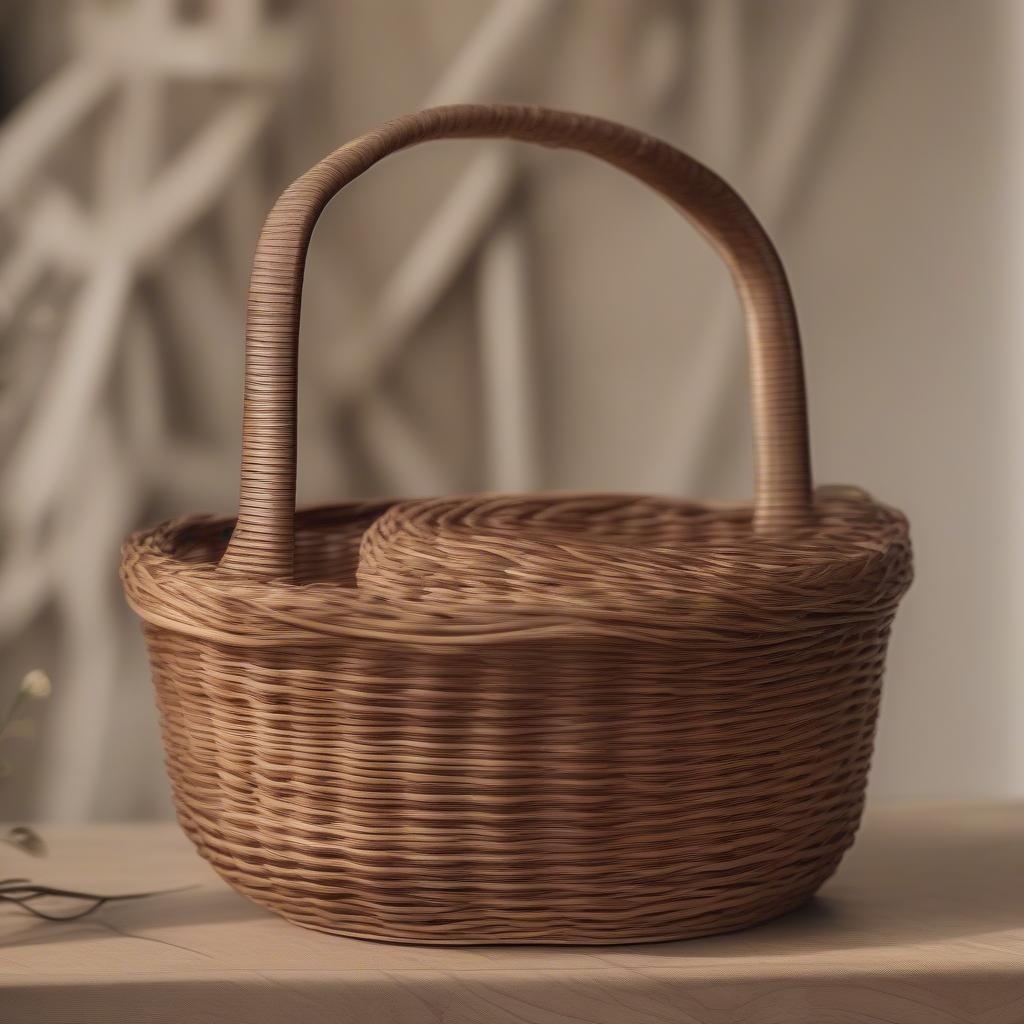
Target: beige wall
point(871, 136)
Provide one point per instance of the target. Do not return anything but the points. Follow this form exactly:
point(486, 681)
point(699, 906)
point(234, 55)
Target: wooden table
point(924, 924)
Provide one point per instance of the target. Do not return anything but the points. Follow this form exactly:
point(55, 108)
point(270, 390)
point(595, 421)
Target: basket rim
point(197, 598)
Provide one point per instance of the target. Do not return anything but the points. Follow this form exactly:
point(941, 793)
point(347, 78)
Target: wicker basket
point(559, 719)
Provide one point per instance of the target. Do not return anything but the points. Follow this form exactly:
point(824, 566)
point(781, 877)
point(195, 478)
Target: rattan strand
point(530, 718)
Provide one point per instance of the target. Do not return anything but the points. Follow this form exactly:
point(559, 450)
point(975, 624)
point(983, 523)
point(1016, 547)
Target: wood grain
point(924, 924)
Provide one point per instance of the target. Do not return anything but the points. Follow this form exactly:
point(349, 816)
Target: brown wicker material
point(546, 718)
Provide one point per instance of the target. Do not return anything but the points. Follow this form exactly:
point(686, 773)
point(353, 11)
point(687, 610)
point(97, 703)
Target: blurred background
point(483, 316)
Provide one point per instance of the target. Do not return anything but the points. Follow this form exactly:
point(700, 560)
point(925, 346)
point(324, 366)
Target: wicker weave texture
point(528, 718)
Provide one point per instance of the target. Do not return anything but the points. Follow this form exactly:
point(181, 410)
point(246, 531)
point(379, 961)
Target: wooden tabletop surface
point(923, 924)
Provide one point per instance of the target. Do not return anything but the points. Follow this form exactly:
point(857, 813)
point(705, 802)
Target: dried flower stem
point(23, 893)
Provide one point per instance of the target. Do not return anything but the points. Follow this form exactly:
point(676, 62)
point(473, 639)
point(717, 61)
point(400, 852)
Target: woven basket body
point(562, 718)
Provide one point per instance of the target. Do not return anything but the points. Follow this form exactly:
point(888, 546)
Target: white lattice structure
point(99, 182)
point(162, 196)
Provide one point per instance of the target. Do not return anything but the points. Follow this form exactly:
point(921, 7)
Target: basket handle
point(261, 546)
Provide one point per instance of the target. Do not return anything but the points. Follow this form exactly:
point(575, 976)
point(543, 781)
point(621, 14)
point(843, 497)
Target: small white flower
point(36, 684)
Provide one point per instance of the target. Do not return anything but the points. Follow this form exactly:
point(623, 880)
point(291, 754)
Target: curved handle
point(261, 546)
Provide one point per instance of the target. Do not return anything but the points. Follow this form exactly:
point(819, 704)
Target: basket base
point(680, 935)
point(435, 914)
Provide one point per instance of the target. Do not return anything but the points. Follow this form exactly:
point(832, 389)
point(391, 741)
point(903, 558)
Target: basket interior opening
point(326, 542)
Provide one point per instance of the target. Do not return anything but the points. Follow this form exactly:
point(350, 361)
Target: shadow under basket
point(522, 718)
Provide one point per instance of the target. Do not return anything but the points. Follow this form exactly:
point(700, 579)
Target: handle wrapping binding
point(261, 547)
